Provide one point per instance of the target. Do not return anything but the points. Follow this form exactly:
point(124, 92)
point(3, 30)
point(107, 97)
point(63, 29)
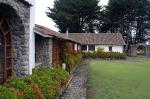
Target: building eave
point(43, 35)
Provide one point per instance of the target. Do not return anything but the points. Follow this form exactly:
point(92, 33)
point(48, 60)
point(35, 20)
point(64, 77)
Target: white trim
point(32, 39)
point(87, 48)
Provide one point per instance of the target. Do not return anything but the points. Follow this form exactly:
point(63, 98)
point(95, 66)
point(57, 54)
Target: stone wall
point(43, 51)
point(18, 14)
point(133, 50)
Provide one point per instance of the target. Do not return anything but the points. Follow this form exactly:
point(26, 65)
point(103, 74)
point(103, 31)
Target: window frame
point(91, 47)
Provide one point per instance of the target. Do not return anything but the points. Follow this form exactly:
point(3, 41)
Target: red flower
point(24, 91)
point(41, 94)
point(20, 94)
point(38, 97)
point(35, 86)
point(34, 92)
point(14, 90)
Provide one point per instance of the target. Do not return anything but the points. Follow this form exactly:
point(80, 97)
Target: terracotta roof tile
point(46, 31)
point(99, 39)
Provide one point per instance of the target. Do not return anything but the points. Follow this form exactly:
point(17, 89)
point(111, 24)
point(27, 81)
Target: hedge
point(101, 54)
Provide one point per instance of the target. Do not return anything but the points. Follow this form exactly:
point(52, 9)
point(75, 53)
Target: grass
point(119, 79)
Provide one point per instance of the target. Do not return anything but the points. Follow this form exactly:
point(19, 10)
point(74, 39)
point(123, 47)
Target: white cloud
point(40, 15)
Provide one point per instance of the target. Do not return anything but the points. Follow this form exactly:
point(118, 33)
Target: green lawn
point(128, 79)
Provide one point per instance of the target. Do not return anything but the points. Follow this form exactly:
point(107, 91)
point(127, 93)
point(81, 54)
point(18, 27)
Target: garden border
point(63, 89)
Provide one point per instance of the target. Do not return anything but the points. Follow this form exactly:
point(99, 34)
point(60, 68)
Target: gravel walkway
point(77, 87)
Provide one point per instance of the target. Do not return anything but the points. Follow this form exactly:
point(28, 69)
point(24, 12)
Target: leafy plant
point(44, 83)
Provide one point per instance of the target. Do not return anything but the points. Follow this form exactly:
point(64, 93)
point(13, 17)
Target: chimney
point(67, 31)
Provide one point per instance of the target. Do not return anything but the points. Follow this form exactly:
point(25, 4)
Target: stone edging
point(63, 89)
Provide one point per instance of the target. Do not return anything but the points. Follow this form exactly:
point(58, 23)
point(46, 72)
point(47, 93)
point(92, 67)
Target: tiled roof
point(48, 32)
point(98, 39)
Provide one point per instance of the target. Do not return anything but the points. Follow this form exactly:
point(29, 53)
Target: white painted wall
point(79, 47)
point(75, 47)
point(115, 48)
point(32, 37)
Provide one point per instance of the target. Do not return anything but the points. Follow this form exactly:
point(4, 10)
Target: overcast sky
point(40, 15)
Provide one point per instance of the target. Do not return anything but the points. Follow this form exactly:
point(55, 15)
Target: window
point(110, 48)
point(6, 58)
point(84, 47)
point(92, 47)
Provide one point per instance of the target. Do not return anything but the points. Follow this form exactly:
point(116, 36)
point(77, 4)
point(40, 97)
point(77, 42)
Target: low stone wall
point(43, 51)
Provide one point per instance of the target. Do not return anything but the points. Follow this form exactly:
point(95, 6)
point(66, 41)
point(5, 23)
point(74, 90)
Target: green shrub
point(100, 50)
point(6, 93)
point(72, 60)
point(114, 55)
point(89, 55)
point(16, 82)
point(44, 83)
point(60, 76)
point(101, 54)
point(70, 57)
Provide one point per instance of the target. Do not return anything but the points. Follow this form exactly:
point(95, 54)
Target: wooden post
point(11, 53)
point(4, 67)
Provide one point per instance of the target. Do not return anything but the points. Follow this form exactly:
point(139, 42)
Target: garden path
point(77, 87)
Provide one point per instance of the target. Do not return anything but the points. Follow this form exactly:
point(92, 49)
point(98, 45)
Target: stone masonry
point(43, 51)
point(133, 50)
point(18, 13)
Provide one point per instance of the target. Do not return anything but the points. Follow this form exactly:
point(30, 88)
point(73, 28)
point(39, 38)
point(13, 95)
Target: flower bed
point(44, 83)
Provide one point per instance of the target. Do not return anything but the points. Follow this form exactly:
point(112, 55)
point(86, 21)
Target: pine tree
point(129, 17)
point(76, 15)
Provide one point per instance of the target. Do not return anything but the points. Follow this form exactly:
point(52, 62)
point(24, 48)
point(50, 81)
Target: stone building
point(24, 45)
point(48, 46)
point(16, 38)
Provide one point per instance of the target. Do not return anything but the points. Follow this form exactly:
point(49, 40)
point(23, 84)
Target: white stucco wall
point(32, 37)
point(75, 47)
point(79, 47)
point(115, 48)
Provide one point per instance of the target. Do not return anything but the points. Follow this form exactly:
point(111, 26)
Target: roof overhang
point(43, 35)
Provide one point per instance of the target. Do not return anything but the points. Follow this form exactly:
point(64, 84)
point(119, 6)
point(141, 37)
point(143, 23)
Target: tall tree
point(129, 17)
point(76, 15)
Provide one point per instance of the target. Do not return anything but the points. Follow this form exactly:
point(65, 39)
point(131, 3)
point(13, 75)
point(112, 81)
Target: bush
point(114, 55)
point(89, 55)
point(101, 54)
point(100, 50)
point(60, 76)
point(6, 93)
point(72, 60)
point(44, 83)
point(70, 57)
